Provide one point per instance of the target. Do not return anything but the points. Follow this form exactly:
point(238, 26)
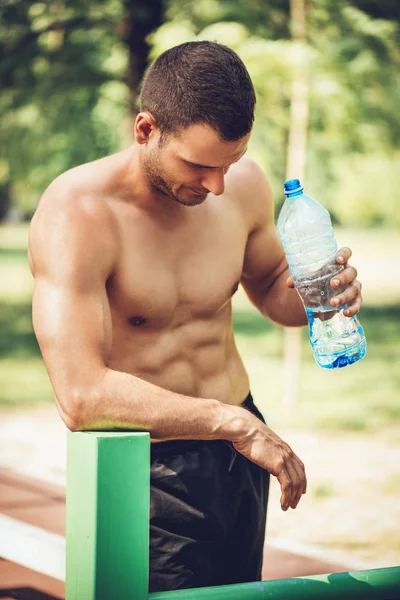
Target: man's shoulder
point(252, 188)
point(75, 196)
point(248, 167)
point(247, 175)
point(73, 218)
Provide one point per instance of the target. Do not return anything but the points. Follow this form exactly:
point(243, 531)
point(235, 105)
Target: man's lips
point(200, 193)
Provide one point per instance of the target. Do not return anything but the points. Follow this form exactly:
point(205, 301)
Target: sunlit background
point(70, 73)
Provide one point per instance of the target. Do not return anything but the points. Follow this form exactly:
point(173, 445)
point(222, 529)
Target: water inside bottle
point(318, 292)
point(336, 340)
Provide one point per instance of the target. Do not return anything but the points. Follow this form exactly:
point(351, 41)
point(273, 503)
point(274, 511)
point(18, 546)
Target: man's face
point(189, 166)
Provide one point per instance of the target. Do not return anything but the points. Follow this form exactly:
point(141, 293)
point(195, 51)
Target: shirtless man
point(136, 257)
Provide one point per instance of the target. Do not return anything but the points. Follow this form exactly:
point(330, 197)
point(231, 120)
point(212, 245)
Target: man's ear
point(145, 127)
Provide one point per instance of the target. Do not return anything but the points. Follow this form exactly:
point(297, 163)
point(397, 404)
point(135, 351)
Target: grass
point(362, 397)
point(23, 377)
point(323, 490)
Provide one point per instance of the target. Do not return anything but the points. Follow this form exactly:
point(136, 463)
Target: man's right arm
point(73, 250)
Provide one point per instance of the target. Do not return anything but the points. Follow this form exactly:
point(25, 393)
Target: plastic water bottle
point(305, 230)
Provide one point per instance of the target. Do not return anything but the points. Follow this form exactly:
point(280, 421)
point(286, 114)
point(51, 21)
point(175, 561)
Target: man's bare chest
point(171, 274)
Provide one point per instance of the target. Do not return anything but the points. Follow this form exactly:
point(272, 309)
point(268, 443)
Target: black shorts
point(208, 507)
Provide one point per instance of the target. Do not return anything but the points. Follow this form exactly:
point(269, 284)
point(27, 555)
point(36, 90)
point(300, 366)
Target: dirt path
point(350, 514)
point(352, 504)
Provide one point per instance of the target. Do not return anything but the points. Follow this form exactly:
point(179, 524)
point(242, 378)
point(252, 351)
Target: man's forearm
point(283, 305)
point(125, 402)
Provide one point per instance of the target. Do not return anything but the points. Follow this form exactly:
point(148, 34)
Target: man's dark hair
point(200, 82)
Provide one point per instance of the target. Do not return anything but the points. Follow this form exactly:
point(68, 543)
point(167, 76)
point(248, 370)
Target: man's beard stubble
point(153, 170)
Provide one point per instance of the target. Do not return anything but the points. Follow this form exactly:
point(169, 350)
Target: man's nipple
point(137, 320)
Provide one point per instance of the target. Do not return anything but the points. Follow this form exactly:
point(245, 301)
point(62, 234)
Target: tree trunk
point(5, 199)
point(142, 17)
point(295, 167)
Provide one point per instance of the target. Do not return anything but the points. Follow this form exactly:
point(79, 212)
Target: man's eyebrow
point(189, 162)
point(197, 165)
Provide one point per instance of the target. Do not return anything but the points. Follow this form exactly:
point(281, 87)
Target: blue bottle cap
point(291, 186)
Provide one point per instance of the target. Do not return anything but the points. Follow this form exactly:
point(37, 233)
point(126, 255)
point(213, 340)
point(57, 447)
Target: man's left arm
point(265, 275)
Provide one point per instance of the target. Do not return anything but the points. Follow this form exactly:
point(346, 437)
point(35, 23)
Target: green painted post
point(377, 584)
point(108, 491)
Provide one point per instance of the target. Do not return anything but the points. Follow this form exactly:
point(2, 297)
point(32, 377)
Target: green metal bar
point(380, 584)
point(108, 490)
point(108, 493)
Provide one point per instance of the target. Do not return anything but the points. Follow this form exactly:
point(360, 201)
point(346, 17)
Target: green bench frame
point(108, 497)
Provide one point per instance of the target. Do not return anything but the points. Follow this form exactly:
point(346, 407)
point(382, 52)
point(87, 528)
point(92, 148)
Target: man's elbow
point(76, 409)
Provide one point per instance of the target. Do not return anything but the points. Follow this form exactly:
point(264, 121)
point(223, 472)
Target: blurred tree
point(352, 57)
point(70, 73)
point(380, 9)
point(295, 167)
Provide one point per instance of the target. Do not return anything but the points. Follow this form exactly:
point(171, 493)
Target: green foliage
point(66, 85)
point(363, 397)
point(366, 193)
point(70, 74)
point(353, 71)
point(57, 63)
point(268, 20)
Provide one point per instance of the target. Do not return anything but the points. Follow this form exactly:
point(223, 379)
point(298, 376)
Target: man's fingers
point(270, 452)
point(295, 469)
point(295, 485)
point(347, 276)
point(351, 296)
point(292, 478)
point(343, 255)
point(302, 488)
point(354, 307)
point(290, 282)
point(286, 488)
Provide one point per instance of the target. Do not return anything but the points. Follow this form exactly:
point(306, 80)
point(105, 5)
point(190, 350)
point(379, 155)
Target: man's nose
point(214, 181)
